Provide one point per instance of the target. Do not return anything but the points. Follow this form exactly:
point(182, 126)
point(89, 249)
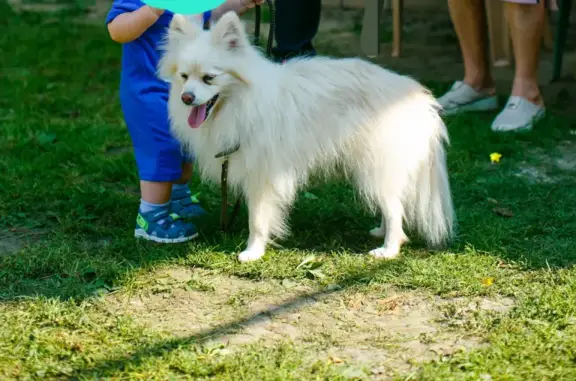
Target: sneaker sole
point(140, 234)
point(486, 104)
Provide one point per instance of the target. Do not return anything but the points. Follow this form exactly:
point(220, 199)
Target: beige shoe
point(463, 98)
point(519, 115)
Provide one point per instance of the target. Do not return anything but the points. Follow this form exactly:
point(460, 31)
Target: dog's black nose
point(188, 98)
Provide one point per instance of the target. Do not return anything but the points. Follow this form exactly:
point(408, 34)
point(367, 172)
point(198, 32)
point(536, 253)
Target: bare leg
point(526, 29)
point(159, 192)
point(155, 192)
point(187, 171)
point(469, 19)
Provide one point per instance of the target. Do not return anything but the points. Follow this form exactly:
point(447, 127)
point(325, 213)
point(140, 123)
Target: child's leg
point(159, 162)
point(155, 192)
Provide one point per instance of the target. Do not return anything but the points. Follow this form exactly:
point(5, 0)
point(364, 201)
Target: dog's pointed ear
point(229, 32)
point(182, 27)
point(181, 30)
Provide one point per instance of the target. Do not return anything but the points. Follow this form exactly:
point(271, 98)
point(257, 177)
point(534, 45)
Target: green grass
point(64, 169)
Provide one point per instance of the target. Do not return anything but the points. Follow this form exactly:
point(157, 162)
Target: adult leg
point(525, 105)
point(469, 19)
point(476, 92)
point(527, 30)
point(297, 23)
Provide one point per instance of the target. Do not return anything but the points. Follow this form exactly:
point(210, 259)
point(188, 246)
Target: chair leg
point(397, 22)
point(565, 7)
point(548, 39)
point(370, 38)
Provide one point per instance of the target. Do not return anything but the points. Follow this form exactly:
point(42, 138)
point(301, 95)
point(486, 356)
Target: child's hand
point(238, 6)
point(157, 11)
point(251, 3)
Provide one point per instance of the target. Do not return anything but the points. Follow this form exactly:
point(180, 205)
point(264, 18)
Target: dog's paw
point(385, 253)
point(378, 232)
point(250, 255)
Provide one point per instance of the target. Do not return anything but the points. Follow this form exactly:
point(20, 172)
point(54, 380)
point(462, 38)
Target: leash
point(226, 223)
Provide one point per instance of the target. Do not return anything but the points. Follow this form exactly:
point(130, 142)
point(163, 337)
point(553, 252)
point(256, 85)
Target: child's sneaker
point(164, 227)
point(185, 204)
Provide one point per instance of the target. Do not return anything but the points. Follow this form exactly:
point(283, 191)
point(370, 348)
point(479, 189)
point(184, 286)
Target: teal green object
point(185, 7)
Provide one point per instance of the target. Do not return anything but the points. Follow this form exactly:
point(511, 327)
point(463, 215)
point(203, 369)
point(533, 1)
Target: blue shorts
point(159, 156)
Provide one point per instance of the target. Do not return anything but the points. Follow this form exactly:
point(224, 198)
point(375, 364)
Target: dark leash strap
point(225, 223)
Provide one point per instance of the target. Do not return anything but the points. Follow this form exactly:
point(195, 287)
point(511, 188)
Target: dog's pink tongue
point(197, 116)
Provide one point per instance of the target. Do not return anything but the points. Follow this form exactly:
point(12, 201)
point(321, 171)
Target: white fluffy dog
point(307, 115)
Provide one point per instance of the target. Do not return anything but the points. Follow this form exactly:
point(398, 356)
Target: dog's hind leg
point(266, 217)
point(392, 217)
point(380, 231)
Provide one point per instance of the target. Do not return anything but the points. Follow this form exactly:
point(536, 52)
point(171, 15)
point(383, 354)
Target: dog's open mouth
point(198, 114)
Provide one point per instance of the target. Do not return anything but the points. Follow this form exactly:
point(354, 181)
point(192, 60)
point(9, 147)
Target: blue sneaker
point(164, 227)
point(185, 204)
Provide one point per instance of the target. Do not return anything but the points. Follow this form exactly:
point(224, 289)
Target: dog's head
point(201, 64)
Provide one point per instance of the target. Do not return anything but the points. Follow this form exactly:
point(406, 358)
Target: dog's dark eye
point(184, 76)
point(207, 78)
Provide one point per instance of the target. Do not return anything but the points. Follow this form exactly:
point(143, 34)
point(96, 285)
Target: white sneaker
point(519, 114)
point(462, 98)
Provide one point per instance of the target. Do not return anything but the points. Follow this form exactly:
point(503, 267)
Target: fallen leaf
point(504, 212)
point(308, 259)
point(335, 360)
point(317, 274)
point(495, 157)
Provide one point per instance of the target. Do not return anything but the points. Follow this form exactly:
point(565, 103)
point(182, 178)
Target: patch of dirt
point(12, 241)
point(383, 332)
point(95, 14)
point(551, 167)
point(47, 7)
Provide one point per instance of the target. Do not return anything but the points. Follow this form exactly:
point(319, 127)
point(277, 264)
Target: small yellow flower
point(488, 281)
point(495, 157)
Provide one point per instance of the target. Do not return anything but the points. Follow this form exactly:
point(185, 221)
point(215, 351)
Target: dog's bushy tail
point(430, 208)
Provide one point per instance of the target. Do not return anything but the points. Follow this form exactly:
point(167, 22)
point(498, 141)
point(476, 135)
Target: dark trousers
point(296, 26)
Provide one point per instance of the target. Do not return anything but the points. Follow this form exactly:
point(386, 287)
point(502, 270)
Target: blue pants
point(297, 23)
point(158, 154)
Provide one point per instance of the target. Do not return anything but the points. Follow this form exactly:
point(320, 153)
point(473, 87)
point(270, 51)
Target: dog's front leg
point(265, 216)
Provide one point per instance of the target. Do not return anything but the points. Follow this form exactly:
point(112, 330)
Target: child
point(166, 201)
